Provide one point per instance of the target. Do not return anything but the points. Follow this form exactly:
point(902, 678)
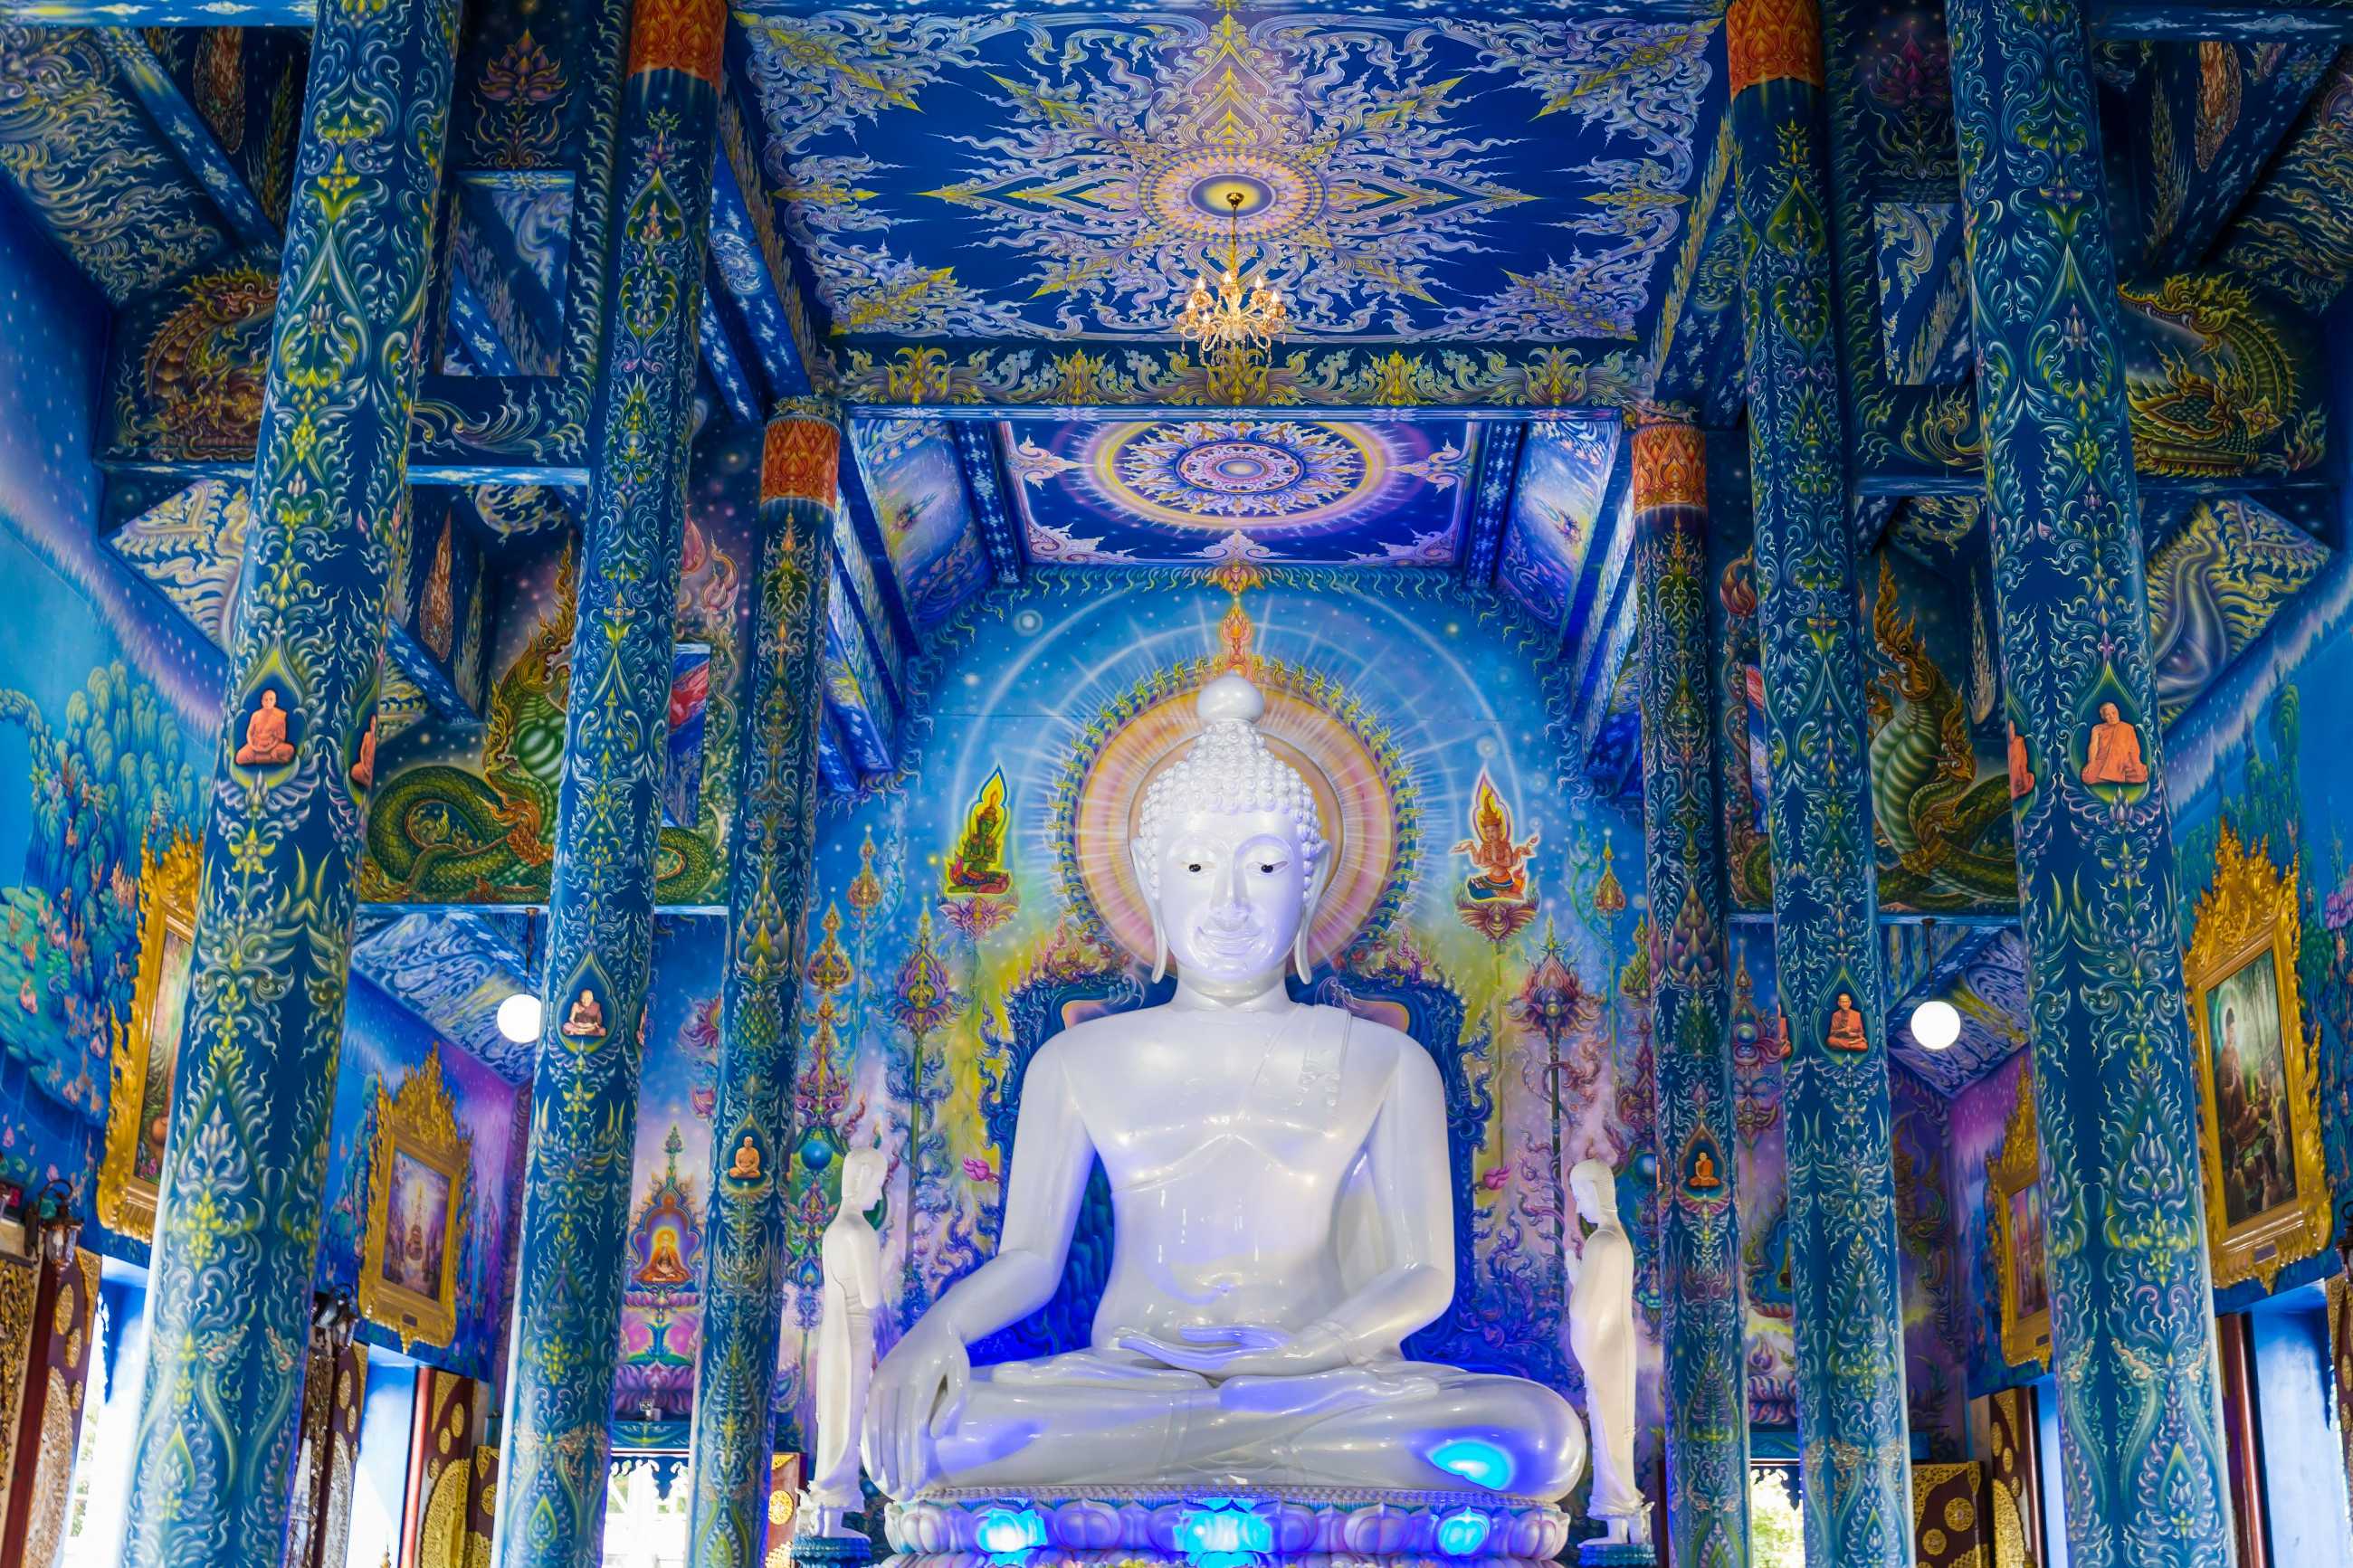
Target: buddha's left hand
point(1244, 1350)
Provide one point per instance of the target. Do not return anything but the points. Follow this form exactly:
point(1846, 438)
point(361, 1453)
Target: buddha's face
point(1233, 893)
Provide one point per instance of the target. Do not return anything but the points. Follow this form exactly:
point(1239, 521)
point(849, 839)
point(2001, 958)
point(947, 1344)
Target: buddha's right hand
point(918, 1394)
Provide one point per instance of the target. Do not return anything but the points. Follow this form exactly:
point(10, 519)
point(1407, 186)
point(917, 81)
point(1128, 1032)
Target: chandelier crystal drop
point(1227, 320)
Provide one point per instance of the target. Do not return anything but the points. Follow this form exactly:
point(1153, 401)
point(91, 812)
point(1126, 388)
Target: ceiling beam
point(1490, 500)
point(160, 12)
point(984, 483)
point(189, 135)
point(2193, 21)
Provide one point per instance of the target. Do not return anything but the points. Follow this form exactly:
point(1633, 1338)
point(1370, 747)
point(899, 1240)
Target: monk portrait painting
point(2251, 1091)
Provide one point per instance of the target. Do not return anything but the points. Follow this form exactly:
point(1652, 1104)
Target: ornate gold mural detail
point(2259, 1099)
point(2015, 1175)
point(132, 1166)
point(419, 1170)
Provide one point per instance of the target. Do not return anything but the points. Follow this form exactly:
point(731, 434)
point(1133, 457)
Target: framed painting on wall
point(419, 1170)
point(2266, 1193)
point(147, 1046)
point(2014, 1193)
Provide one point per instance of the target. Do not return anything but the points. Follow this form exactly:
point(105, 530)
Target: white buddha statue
point(1282, 1205)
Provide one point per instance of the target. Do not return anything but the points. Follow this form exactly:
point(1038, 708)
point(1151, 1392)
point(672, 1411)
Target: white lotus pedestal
point(1298, 1527)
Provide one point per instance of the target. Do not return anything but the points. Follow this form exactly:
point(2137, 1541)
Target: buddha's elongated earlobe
point(1145, 883)
point(1317, 880)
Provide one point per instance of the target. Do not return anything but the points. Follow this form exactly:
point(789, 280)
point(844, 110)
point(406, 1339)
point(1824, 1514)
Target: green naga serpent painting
point(1942, 812)
point(444, 833)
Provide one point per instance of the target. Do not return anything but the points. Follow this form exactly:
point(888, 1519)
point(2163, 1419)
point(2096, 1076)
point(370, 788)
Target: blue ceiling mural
point(1556, 515)
point(1303, 492)
point(1065, 175)
point(915, 481)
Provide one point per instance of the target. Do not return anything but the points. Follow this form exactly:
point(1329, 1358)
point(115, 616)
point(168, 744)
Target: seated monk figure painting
point(1846, 1026)
point(2114, 756)
point(1281, 1205)
point(264, 735)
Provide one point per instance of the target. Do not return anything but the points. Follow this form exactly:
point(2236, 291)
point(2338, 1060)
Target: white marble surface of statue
point(1601, 1333)
point(851, 1257)
point(1281, 1205)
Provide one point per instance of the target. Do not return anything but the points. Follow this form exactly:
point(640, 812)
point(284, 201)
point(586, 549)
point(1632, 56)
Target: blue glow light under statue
point(1476, 1461)
point(1008, 1534)
point(1224, 1532)
point(1463, 1533)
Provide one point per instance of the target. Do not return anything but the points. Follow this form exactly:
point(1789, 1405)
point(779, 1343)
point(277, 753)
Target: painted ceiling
point(1459, 177)
point(1302, 492)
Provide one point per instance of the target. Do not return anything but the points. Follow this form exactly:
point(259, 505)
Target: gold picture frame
point(419, 1170)
point(2015, 1185)
point(2267, 1201)
point(146, 1054)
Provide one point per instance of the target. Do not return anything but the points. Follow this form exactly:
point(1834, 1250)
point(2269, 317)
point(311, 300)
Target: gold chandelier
point(1231, 324)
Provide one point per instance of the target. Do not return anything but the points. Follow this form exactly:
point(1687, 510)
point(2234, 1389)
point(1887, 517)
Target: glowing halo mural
point(1223, 474)
point(1312, 491)
point(1363, 794)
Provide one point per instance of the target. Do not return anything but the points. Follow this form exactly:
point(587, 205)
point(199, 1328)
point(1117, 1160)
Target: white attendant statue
point(1281, 1208)
point(851, 1255)
point(1601, 1333)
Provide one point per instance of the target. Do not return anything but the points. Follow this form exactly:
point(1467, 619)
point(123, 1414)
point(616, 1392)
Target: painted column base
point(832, 1550)
point(1295, 1527)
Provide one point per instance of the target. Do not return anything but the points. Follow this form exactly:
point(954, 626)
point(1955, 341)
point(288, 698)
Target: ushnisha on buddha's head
point(1230, 852)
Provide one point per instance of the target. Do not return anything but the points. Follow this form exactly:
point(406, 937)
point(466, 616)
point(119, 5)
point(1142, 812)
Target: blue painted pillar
point(767, 907)
point(1845, 1265)
point(1706, 1396)
point(583, 1107)
point(2132, 1310)
point(236, 1239)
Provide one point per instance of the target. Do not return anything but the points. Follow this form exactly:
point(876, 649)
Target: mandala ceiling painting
point(1472, 177)
point(1289, 491)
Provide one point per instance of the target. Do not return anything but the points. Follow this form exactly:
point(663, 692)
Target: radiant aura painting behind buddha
point(1482, 902)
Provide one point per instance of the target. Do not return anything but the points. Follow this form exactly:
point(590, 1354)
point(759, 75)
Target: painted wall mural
point(105, 708)
point(464, 812)
point(2258, 760)
point(1980, 1121)
point(661, 1307)
point(2214, 587)
point(916, 484)
point(1108, 148)
point(1556, 519)
point(1167, 492)
point(1939, 777)
point(383, 1044)
point(1485, 903)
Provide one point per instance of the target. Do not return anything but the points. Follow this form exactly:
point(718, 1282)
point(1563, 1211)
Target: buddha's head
point(1229, 850)
point(862, 1172)
point(1593, 1188)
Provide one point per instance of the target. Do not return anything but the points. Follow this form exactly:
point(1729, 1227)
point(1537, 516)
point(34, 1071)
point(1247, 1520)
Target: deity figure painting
point(2251, 1098)
point(978, 863)
point(419, 1225)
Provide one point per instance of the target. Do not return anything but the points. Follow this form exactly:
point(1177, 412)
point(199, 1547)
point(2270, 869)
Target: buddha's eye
point(1194, 868)
point(1269, 867)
